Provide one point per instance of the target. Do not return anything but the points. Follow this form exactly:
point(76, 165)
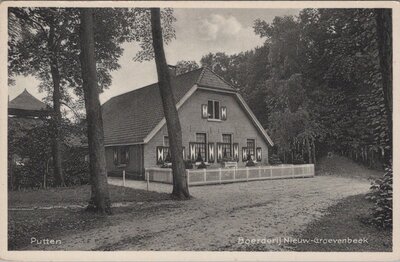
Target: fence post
point(147, 180)
point(205, 174)
point(220, 175)
point(123, 177)
point(187, 176)
point(292, 171)
point(247, 173)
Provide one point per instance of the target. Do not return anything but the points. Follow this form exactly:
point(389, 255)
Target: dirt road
point(219, 216)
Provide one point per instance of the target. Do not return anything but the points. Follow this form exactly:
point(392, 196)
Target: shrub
point(381, 194)
point(202, 165)
point(250, 162)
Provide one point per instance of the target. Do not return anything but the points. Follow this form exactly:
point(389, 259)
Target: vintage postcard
point(198, 131)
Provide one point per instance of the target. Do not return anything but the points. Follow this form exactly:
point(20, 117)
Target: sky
point(198, 32)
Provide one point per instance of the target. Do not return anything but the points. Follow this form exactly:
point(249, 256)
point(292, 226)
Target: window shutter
point(204, 111)
point(244, 154)
point(219, 152)
point(160, 154)
point(192, 151)
point(211, 152)
point(223, 113)
point(259, 154)
point(236, 151)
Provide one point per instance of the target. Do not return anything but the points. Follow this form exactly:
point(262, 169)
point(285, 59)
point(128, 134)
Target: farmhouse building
point(217, 126)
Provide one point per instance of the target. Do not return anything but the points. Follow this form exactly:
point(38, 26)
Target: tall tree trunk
point(100, 198)
point(57, 155)
point(180, 189)
point(383, 19)
point(56, 147)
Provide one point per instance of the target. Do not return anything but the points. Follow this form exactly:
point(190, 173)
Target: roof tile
point(130, 117)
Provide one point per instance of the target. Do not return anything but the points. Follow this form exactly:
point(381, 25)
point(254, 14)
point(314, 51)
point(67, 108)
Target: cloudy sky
point(198, 32)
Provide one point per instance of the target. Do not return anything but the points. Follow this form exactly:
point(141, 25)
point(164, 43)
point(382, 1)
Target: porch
point(230, 175)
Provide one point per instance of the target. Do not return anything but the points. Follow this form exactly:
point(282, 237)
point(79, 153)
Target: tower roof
point(26, 101)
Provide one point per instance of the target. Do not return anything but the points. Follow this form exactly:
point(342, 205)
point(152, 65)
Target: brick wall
point(238, 124)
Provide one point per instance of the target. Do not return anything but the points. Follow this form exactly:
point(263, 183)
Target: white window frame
point(212, 118)
point(164, 144)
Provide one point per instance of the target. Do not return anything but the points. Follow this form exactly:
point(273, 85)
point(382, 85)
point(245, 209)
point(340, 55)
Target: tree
point(185, 66)
point(383, 19)
point(44, 34)
point(285, 46)
point(344, 105)
point(180, 186)
point(44, 42)
point(100, 198)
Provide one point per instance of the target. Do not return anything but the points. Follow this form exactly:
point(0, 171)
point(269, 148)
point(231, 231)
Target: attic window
point(213, 109)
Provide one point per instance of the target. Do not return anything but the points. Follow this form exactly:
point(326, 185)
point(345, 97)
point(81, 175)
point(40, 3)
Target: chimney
point(172, 70)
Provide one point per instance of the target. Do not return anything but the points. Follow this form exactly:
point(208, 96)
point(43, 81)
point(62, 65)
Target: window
point(121, 155)
point(251, 144)
point(226, 145)
point(213, 109)
point(200, 146)
point(166, 141)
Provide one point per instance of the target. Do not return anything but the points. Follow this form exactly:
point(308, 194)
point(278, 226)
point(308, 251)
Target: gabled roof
point(26, 101)
point(134, 117)
point(128, 118)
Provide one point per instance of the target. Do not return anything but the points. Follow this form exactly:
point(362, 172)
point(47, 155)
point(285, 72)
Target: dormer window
point(213, 109)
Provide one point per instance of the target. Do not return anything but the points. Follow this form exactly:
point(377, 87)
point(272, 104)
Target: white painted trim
point(217, 90)
point(189, 94)
point(214, 120)
point(253, 117)
point(128, 144)
point(163, 121)
point(248, 110)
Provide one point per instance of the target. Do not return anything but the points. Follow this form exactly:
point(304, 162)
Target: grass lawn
point(52, 223)
point(345, 167)
point(347, 219)
point(76, 195)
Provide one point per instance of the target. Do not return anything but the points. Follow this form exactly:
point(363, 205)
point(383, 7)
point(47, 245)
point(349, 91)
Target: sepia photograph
point(163, 127)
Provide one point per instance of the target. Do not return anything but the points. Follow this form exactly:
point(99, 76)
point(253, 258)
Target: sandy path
point(220, 214)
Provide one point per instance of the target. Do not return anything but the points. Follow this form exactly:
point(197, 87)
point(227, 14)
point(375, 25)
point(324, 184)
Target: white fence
point(227, 175)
